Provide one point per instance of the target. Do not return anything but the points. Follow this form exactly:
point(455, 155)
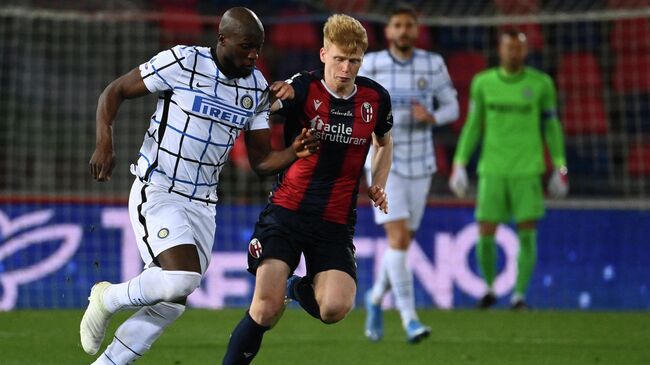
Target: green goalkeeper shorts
point(501, 199)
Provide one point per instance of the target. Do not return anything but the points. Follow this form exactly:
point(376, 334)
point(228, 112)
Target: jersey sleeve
point(471, 133)
point(161, 72)
point(260, 119)
point(447, 98)
point(366, 66)
point(552, 127)
point(548, 100)
point(385, 121)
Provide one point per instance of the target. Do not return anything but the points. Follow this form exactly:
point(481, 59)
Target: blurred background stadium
point(61, 232)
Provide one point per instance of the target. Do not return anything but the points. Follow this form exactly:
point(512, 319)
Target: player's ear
point(221, 39)
point(323, 51)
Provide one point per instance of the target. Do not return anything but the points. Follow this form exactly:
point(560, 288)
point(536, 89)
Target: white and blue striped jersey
point(423, 78)
point(199, 115)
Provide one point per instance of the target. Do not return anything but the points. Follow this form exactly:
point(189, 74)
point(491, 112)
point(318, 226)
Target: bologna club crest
point(366, 112)
point(255, 248)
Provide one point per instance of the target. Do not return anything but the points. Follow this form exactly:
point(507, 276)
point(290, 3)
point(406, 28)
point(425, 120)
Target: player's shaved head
point(240, 21)
point(240, 40)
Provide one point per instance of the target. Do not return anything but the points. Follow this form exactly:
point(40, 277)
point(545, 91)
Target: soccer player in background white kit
point(207, 97)
point(414, 78)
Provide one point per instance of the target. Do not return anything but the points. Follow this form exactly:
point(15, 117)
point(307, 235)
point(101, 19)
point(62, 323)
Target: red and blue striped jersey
point(326, 183)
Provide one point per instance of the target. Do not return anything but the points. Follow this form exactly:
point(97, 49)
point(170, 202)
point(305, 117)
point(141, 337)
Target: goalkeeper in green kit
point(513, 112)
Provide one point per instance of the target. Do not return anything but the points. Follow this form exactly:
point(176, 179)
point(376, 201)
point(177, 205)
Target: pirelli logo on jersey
point(217, 110)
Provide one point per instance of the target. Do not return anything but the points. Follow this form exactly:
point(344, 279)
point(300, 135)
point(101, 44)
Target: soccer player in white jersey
point(207, 97)
point(414, 78)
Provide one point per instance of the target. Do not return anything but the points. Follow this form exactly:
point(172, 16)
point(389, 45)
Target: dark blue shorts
point(283, 234)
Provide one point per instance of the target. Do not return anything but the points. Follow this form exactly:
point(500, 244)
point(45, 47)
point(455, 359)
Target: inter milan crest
point(247, 101)
point(366, 112)
point(163, 233)
point(255, 248)
point(422, 83)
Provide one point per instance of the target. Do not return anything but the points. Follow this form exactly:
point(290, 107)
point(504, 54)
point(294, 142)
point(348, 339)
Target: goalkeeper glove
point(458, 181)
point(558, 184)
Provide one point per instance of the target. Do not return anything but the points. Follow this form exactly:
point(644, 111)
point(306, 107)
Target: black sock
point(245, 342)
point(304, 291)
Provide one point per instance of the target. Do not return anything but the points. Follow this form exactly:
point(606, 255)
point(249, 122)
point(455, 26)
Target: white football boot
point(95, 320)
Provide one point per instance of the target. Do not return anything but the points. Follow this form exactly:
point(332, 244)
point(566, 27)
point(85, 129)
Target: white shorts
point(162, 220)
point(407, 198)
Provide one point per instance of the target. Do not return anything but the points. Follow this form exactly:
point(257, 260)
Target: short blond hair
point(346, 32)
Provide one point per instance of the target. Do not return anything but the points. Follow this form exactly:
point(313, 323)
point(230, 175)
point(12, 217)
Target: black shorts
point(283, 234)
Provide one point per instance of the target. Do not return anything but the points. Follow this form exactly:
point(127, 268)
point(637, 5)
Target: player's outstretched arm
point(266, 161)
point(127, 86)
point(380, 167)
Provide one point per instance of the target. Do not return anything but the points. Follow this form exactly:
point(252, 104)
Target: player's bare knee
point(180, 284)
point(402, 242)
point(265, 310)
point(487, 228)
point(399, 240)
point(334, 312)
point(527, 225)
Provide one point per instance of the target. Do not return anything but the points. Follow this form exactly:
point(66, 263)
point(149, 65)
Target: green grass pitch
point(459, 337)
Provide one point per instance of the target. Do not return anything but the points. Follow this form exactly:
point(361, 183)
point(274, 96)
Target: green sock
point(526, 260)
point(486, 256)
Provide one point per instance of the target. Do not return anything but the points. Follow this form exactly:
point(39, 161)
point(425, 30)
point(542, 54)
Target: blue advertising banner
point(51, 254)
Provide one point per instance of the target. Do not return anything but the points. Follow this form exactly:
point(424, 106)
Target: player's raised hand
point(558, 184)
point(378, 197)
point(281, 90)
point(102, 163)
point(306, 144)
point(458, 181)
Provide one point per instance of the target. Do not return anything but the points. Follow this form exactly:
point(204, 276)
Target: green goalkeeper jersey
point(513, 115)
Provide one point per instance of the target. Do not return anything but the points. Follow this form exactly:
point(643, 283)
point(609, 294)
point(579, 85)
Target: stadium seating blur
point(462, 67)
point(638, 157)
point(580, 85)
point(513, 7)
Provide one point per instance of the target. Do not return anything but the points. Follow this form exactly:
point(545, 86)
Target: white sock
point(401, 281)
point(136, 335)
point(153, 285)
point(382, 284)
